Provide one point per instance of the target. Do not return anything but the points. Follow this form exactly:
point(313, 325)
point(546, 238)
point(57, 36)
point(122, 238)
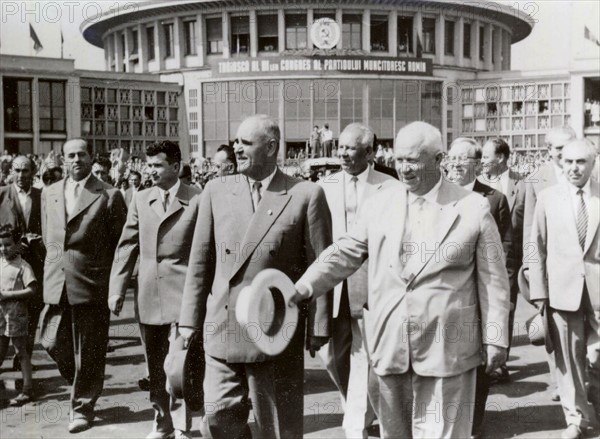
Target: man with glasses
point(464, 164)
point(247, 223)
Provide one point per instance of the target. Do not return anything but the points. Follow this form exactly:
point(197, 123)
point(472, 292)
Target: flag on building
point(62, 43)
point(588, 35)
point(37, 44)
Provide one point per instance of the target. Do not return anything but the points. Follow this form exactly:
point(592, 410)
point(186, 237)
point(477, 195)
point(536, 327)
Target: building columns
point(252, 18)
point(226, 44)
point(200, 40)
point(417, 31)
point(366, 28)
point(488, 62)
point(393, 33)
point(440, 39)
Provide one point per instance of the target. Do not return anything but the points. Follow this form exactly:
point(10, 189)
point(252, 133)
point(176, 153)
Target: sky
point(556, 38)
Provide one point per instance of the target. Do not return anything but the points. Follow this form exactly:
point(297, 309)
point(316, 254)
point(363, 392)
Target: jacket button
point(227, 251)
point(226, 306)
point(272, 252)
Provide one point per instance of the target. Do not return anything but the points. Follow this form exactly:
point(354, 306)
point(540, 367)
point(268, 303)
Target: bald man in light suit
point(431, 270)
point(345, 356)
point(565, 275)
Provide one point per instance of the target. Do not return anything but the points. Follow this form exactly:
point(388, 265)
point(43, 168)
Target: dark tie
point(256, 197)
point(166, 202)
point(582, 219)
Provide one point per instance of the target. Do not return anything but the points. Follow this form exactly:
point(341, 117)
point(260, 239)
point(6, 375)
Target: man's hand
point(186, 333)
point(115, 303)
point(299, 297)
point(494, 356)
point(314, 343)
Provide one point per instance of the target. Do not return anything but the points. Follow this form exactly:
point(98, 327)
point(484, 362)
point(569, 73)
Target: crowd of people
point(440, 242)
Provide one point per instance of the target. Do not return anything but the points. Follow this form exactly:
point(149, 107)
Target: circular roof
point(94, 28)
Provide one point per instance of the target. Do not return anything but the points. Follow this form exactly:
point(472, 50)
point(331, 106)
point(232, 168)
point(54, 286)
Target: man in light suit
point(344, 356)
point(565, 276)
point(464, 163)
point(247, 223)
point(546, 176)
point(160, 232)
point(82, 219)
point(20, 206)
point(436, 264)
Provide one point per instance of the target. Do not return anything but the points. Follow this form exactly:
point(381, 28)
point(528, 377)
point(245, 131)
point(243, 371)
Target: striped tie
point(582, 219)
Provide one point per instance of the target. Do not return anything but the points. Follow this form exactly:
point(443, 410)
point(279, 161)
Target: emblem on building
point(325, 33)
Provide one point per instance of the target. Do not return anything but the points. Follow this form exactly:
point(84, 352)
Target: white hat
point(263, 307)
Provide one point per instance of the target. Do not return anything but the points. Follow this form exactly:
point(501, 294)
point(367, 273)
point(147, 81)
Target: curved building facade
point(310, 63)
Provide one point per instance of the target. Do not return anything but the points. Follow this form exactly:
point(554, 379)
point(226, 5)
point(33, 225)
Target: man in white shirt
point(345, 356)
point(326, 141)
point(565, 276)
point(429, 271)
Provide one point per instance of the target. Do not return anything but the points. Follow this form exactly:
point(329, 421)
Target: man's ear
point(273, 147)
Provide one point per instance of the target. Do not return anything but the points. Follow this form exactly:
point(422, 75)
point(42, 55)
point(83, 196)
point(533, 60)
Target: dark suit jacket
point(11, 213)
point(232, 244)
point(385, 170)
point(81, 249)
point(501, 213)
point(163, 242)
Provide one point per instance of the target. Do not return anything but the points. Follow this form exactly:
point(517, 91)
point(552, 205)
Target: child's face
point(8, 248)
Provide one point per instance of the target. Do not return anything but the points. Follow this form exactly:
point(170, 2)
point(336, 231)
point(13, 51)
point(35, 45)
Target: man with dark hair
point(20, 206)
point(224, 161)
point(185, 174)
point(82, 218)
point(101, 169)
point(279, 222)
point(497, 174)
point(52, 175)
point(159, 229)
point(135, 184)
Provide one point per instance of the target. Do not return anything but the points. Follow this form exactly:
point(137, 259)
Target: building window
point(193, 124)
point(123, 46)
point(193, 95)
point(405, 35)
point(214, 35)
point(449, 37)
point(169, 40)
point(379, 33)
point(240, 35)
point(189, 30)
point(323, 14)
point(151, 44)
point(194, 142)
point(297, 108)
point(268, 36)
point(17, 105)
point(381, 108)
point(352, 31)
point(351, 101)
point(295, 31)
point(134, 42)
point(431, 103)
point(428, 35)
point(51, 97)
point(481, 43)
point(494, 60)
point(467, 40)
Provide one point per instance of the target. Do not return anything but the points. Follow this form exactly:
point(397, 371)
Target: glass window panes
point(150, 42)
point(405, 35)
point(467, 40)
point(352, 31)
point(449, 37)
point(295, 31)
point(379, 33)
point(169, 40)
point(214, 35)
point(268, 35)
point(428, 35)
point(240, 34)
point(17, 104)
point(189, 30)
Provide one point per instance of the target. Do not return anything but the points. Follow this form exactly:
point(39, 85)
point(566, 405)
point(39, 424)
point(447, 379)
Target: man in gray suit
point(82, 218)
point(345, 356)
point(160, 227)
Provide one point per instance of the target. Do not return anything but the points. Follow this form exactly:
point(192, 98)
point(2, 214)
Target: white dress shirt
point(265, 182)
point(25, 202)
point(70, 198)
point(172, 193)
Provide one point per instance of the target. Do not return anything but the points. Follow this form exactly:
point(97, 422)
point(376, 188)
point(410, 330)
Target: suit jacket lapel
point(89, 194)
point(593, 215)
point(16, 207)
point(156, 203)
point(511, 193)
point(56, 197)
point(180, 200)
point(445, 219)
point(337, 202)
point(274, 200)
point(394, 226)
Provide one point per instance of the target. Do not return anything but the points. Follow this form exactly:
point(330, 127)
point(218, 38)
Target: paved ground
point(521, 408)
